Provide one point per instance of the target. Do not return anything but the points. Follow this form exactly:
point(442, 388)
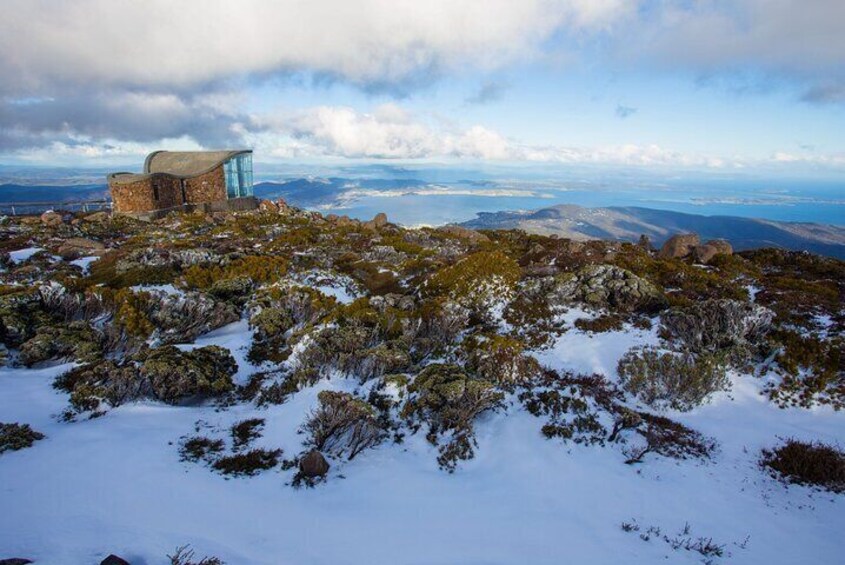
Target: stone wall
point(160, 191)
point(208, 187)
point(151, 193)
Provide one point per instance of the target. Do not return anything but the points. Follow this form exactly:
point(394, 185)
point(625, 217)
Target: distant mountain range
point(14, 193)
point(628, 223)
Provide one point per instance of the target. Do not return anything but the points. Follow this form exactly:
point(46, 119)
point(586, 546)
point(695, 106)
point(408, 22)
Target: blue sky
point(710, 85)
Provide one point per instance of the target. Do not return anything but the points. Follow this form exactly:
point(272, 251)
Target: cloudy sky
point(708, 84)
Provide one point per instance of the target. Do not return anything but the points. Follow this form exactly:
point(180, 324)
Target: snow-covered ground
point(115, 485)
point(22, 255)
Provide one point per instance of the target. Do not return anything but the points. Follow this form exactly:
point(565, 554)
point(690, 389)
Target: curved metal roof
point(179, 164)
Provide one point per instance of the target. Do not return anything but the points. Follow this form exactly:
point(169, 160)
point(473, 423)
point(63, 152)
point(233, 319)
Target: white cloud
point(156, 43)
point(391, 132)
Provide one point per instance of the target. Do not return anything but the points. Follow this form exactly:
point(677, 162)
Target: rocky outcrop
point(52, 219)
point(313, 465)
point(679, 246)
point(607, 286)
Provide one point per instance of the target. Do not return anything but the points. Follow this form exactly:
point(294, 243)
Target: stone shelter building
point(185, 180)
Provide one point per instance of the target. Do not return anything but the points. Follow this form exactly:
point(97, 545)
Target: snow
point(167, 289)
point(85, 263)
point(22, 255)
point(115, 484)
point(584, 352)
point(340, 293)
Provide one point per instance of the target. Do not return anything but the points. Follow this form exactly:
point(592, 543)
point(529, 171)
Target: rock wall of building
point(209, 187)
point(155, 192)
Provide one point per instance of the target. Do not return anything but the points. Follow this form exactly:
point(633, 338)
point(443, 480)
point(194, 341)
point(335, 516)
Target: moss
point(469, 276)
point(17, 436)
point(259, 269)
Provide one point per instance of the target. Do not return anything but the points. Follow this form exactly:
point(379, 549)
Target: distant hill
point(628, 223)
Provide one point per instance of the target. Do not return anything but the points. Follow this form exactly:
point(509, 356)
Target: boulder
point(15, 561)
point(52, 219)
point(313, 465)
point(378, 221)
point(722, 245)
point(607, 286)
point(114, 560)
point(464, 233)
point(705, 253)
point(679, 246)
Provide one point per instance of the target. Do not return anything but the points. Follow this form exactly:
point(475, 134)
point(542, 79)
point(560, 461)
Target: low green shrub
point(671, 380)
point(17, 436)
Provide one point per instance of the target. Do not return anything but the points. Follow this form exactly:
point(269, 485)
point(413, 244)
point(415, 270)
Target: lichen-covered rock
point(76, 341)
point(679, 246)
point(716, 325)
point(176, 375)
point(607, 286)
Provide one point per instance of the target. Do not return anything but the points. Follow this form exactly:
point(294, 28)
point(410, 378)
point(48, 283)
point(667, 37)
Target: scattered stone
point(52, 219)
point(679, 246)
point(114, 560)
point(313, 465)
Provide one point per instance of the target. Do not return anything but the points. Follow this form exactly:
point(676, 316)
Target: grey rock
point(313, 465)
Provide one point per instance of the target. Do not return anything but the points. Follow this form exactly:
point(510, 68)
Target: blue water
point(462, 193)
